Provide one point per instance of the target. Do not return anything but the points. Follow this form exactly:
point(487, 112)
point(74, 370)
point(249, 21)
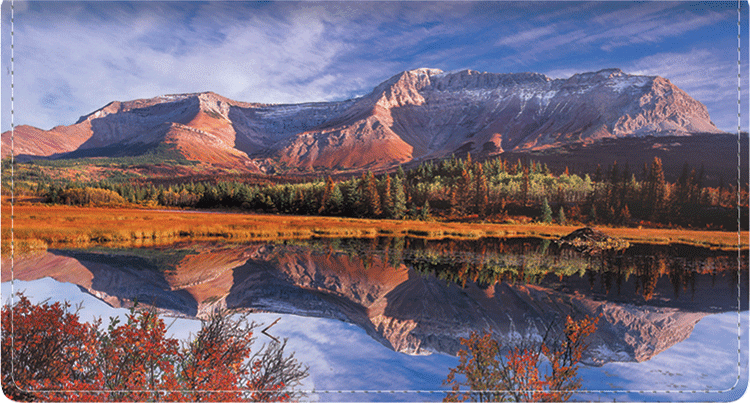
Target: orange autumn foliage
point(51, 350)
point(48, 354)
point(544, 372)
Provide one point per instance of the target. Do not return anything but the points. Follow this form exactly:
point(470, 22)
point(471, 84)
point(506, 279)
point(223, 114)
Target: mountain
point(415, 115)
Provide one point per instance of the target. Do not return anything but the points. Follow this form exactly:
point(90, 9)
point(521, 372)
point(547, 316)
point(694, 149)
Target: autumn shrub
point(89, 196)
point(545, 371)
point(48, 354)
point(46, 347)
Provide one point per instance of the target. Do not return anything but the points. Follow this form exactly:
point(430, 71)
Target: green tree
point(424, 214)
point(481, 195)
point(386, 197)
point(336, 201)
point(400, 172)
point(546, 216)
point(353, 205)
point(561, 216)
point(462, 195)
point(326, 196)
point(398, 207)
point(655, 190)
point(371, 196)
point(525, 186)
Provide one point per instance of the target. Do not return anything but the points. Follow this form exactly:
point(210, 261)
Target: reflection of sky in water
point(342, 357)
point(707, 360)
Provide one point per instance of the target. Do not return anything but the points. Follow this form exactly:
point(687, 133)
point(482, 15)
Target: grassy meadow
point(40, 226)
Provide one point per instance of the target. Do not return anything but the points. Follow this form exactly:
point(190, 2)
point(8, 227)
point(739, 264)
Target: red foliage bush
point(48, 354)
point(521, 374)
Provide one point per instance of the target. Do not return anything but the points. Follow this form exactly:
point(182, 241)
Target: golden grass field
point(38, 226)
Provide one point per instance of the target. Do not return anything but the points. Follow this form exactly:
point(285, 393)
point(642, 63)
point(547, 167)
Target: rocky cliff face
point(418, 114)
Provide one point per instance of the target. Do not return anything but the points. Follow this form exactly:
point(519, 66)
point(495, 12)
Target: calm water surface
point(400, 305)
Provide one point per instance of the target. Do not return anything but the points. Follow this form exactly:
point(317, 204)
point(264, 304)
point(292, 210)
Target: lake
point(386, 314)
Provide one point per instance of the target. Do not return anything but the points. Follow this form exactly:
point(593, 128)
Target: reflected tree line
point(492, 261)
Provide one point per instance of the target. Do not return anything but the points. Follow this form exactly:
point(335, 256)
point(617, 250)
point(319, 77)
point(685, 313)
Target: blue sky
point(71, 58)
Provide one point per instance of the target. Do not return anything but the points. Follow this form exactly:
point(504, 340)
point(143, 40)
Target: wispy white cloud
point(72, 58)
point(522, 38)
point(579, 31)
point(629, 28)
point(283, 53)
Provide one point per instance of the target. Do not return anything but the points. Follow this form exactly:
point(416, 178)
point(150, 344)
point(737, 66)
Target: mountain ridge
point(414, 115)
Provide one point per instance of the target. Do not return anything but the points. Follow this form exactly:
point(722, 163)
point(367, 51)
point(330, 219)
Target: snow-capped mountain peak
point(416, 114)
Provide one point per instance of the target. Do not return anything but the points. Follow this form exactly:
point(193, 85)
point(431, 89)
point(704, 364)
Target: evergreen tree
point(525, 187)
point(353, 204)
point(462, 194)
point(326, 195)
point(400, 172)
point(546, 216)
point(413, 214)
point(697, 190)
point(656, 190)
point(425, 213)
point(386, 197)
point(335, 201)
point(481, 197)
point(561, 216)
point(614, 188)
point(371, 196)
point(398, 194)
point(456, 207)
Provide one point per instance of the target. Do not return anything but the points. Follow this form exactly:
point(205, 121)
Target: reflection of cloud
point(343, 358)
point(706, 361)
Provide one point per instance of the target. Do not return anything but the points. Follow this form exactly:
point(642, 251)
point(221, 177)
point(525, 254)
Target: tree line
point(453, 189)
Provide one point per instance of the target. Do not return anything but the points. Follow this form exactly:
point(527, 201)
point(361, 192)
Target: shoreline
point(39, 226)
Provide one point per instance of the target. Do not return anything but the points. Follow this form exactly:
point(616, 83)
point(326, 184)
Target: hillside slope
point(415, 115)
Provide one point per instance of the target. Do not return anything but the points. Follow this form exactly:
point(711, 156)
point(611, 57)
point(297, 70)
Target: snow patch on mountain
point(422, 113)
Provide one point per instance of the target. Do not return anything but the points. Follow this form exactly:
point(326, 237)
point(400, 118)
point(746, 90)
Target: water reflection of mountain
point(418, 296)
